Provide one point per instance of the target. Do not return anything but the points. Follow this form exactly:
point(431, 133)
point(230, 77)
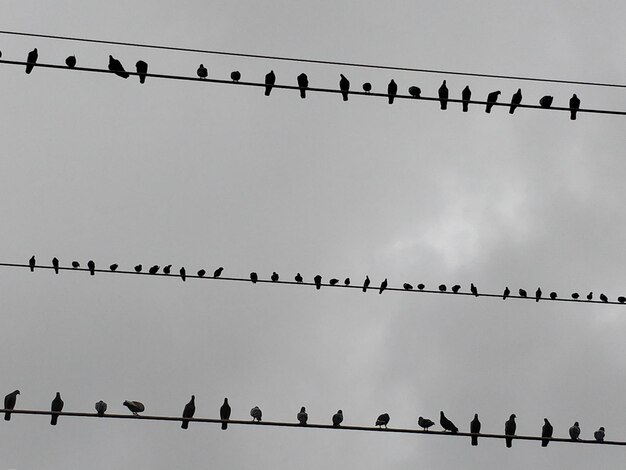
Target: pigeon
point(142, 70)
point(92, 267)
point(56, 406)
point(506, 293)
point(367, 87)
point(270, 79)
point(134, 406)
point(71, 61)
point(415, 91)
point(225, 413)
point(553, 295)
point(425, 423)
point(546, 431)
point(421, 286)
point(523, 293)
point(9, 403)
point(466, 95)
point(138, 268)
point(32, 59)
point(346, 281)
point(344, 86)
point(274, 276)
point(382, 420)
point(113, 267)
point(256, 413)
point(254, 277)
point(75, 264)
point(509, 430)
point(154, 269)
point(621, 299)
point(443, 95)
point(31, 264)
point(599, 435)
point(442, 288)
point(218, 272)
point(383, 286)
point(303, 83)
point(590, 296)
point(337, 418)
point(303, 416)
point(101, 408)
point(298, 278)
point(546, 101)
point(574, 431)
point(235, 76)
point(188, 412)
point(474, 290)
point(475, 429)
point(117, 67)
point(407, 286)
point(456, 288)
point(491, 99)
point(333, 281)
point(183, 273)
point(202, 71)
point(318, 281)
point(55, 265)
point(392, 90)
point(516, 99)
point(575, 296)
point(446, 424)
point(167, 269)
point(201, 273)
point(604, 298)
point(366, 283)
point(538, 294)
point(574, 104)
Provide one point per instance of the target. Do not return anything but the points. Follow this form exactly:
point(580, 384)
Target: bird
point(303, 83)
point(456, 288)
point(546, 431)
point(113, 267)
point(425, 423)
point(167, 269)
point(621, 299)
point(256, 413)
point(235, 76)
point(333, 281)
point(202, 71)
point(382, 420)
point(491, 99)
point(101, 408)
point(9, 403)
point(346, 281)
point(303, 416)
point(442, 288)
point(383, 286)
point(142, 70)
point(337, 418)
point(225, 413)
point(92, 267)
point(509, 430)
point(135, 407)
point(188, 412)
point(475, 429)
point(75, 264)
point(138, 268)
point(367, 87)
point(421, 286)
point(218, 271)
point(55, 265)
point(407, 286)
point(344, 86)
point(574, 431)
point(392, 90)
point(443, 95)
point(604, 298)
point(466, 95)
point(318, 281)
point(553, 295)
point(523, 293)
point(574, 104)
point(31, 264)
point(71, 61)
point(298, 278)
point(599, 435)
point(415, 91)
point(506, 293)
point(270, 79)
point(201, 273)
point(366, 283)
point(538, 294)
point(575, 296)
point(516, 99)
point(274, 276)
point(446, 424)
point(590, 296)
point(254, 277)
point(31, 60)
point(154, 269)
point(183, 273)
point(546, 101)
point(474, 290)
point(117, 67)
point(57, 407)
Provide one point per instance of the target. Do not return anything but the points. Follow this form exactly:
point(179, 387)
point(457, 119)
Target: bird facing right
point(188, 412)
point(337, 418)
point(509, 430)
point(9, 403)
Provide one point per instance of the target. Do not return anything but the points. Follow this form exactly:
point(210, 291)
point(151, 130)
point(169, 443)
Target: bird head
point(302, 410)
point(339, 412)
point(513, 416)
point(576, 424)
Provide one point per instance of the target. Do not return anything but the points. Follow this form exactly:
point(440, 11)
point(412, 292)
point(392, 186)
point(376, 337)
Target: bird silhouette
point(333, 281)
point(134, 406)
point(509, 430)
point(523, 293)
point(344, 86)
point(225, 413)
point(235, 76)
point(491, 100)
point(604, 298)
point(55, 265)
point(392, 90)
point(117, 67)
point(167, 269)
point(298, 278)
point(474, 290)
point(218, 272)
point(574, 104)
point(101, 408)
point(442, 288)
point(92, 267)
point(113, 267)
point(9, 403)
point(303, 83)
point(201, 272)
point(456, 288)
point(138, 268)
point(546, 431)
point(475, 429)
point(256, 413)
point(575, 296)
point(407, 286)
point(202, 71)
point(154, 269)
point(421, 286)
point(337, 418)
point(31, 264)
point(367, 87)
point(466, 95)
point(57, 407)
point(415, 91)
point(303, 417)
point(446, 424)
point(254, 277)
point(546, 101)
point(318, 281)
point(383, 286)
point(599, 435)
point(188, 412)
point(590, 296)
point(506, 293)
point(621, 299)
point(538, 294)
point(31, 60)
point(443, 95)
point(71, 61)
point(346, 281)
point(425, 423)
point(183, 273)
point(574, 431)
point(382, 420)
point(516, 99)
point(553, 295)
point(75, 264)
point(270, 80)
point(274, 276)
point(366, 283)
point(142, 70)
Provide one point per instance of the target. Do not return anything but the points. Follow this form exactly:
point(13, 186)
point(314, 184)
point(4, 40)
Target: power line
point(306, 283)
point(313, 61)
point(313, 89)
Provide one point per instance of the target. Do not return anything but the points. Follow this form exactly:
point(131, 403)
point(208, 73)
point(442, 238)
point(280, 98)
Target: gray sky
point(207, 175)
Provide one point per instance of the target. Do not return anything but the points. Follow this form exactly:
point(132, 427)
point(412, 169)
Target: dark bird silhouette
point(318, 281)
point(621, 299)
point(446, 424)
point(101, 408)
point(138, 268)
point(254, 277)
point(475, 429)
point(553, 295)
point(303, 83)
point(604, 298)
point(167, 269)
point(456, 288)
point(599, 435)
point(117, 67)
point(337, 418)
point(201, 273)
point(383, 286)
point(421, 286)
point(298, 278)
point(55, 265)
point(474, 290)
point(442, 288)
point(415, 91)
point(590, 296)
point(382, 420)
point(142, 70)
point(407, 286)
point(425, 423)
point(225, 413)
point(134, 406)
point(274, 276)
point(546, 101)
point(367, 87)
point(303, 417)
point(506, 293)
point(75, 264)
point(509, 430)
point(218, 272)
point(491, 100)
point(333, 281)
point(71, 61)
point(538, 294)
point(523, 293)
point(574, 431)
point(516, 99)
point(31, 60)
point(9, 403)
point(546, 431)
point(256, 413)
point(392, 90)
point(270, 80)
point(235, 76)
point(31, 264)
point(202, 71)
point(346, 281)
point(344, 86)
point(575, 296)
point(154, 269)
point(574, 104)
point(56, 406)
point(443, 95)
point(113, 267)
point(366, 283)
point(92, 267)
point(188, 412)
point(183, 273)
point(466, 95)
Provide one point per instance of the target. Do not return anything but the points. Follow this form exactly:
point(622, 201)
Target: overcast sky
point(207, 175)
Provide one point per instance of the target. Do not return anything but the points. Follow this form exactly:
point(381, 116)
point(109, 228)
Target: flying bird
point(575, 296)
point(202, 71)
point(538, 294)
point(154, 269)
point(142, 70)
point(9, 403)
point(523, 293)
point(31, 264)
point(31, 60)
point(138, 268)
point(225, 413)
point(235, 76)
point(599, 435)
point(367, 87)
point(167, 269)
point(443, 95)
point(337, 418)
point(442, 288)
point(574, 104)
point(183, 273)
point(92, 267)
point(466, 95)
point(546, 101)
point(553, 295)
point(574, 431)
point(407, 286)
point(590, 296)
point(475, 429)
point(254, 277)
point(366, 283)
point(303, 83)
point(516, 99)
point(256, 413)
point(303, 416)
point(113, 267)
point(456, 288)
point(509, 430)
point(546, 432)
point(491, 100)
point(201, 273)
point(383, 286)
point(298, 278)
point(392, 90)
point(75, 264)
point(474, 290)
point(101, 408)
point(188, 412)
point(415, 91)
point(344, 86)
point(117, 67)
point(218, 272)
point(57, 407)
point(71, 61)
point(446, 424)
point(346, 281)
point(318, 281)
point(604, 298)
point(134, 406)
point(382, 420)
point(274, 276)
point(333, 281)
point(506, 293)
point(270, 80)
point(55, 265)
point(425, 423)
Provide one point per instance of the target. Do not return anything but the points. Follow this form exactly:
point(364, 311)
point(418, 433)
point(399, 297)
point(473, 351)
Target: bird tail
point(142, 79)
point(302, 93)
point(391, 100)
point(185, 425)
point(7, 416)
point(488, 109)
point(224, 425)
point(509, 442)
point(53, 420)
point(444, 105)
point(545, 443)
point(268, 90)
point(465, 107)
point(572, 115)
point(345, 96)
point(29, 68)
point(511, 109)
point(474, 440)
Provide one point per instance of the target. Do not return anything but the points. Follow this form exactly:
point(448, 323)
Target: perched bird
point(154, 269)
point(553, 295)
point(274, 276)
point(509, 430)
point(366, 283)
point(303, 83)
point(491, 99)
point(425, 423)
point(344, 86)
point(546, 101)
point(298, 278)
point(303, 416)
point(201, 273)
point(57, 407)
point(516, 99)
point(590, 296)
point(621, 299)
point(202, 71)
point(415, 91)
point(383, 286)
point(318, 281)
point(71, 61)
point(188, 412)
point(142, 70)
point(270, 80)
point(138, 268)
point(421, 286)
point(218, 272)
point(254, 277)
point(337, 418)
point(574, 104)
point(183, 273)
point(235, 76)
point(367, 87)
point(117, 67)
point(392, 90)
point(546, 431)
point(31, 60)
point(523, 293)
point(456, 288)
point(92, 267)
point(55, 265)
point(538, 294)
point(442, 288)
point(346, 281)
point(113, 267)
point(31, 263)
point(134, 406)
point(506, 293)
point(443, 95)
point(474, 290)
point(599, 435)
point(256, 413)
point(167, 269)
point(574, 431)
point(9, 404)
point(446, 424)
point(101, 408)
point(407, 286)
point(382, 420)
point(333, 281)
point(466, 95)
point(75, 264)
point(604, 298)
point(225, 413)
point(575, 296)
point(475, 429)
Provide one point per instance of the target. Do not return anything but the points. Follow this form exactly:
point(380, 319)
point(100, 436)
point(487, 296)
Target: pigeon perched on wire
point(167, 269)
point(188, 412)
point(333, 281)
point(218, 272)
point(383, 286)
point(382, 420)
point(134, 406)
point(446, 424)
point(201, 272)
point(113, 267)
point(303, 83)
point(523, 293)
point(367, 87)
point(466, 95)
point(553, 295)
point(138, 268)
point(235, 76)
point(509, 430)
point(546, 432)
point(456, 288)
point(303, 417)
point(575, 295)
point(183, 273)
point(443, 95)
point(538, 294)
point(407, 286)
point(75, 264)
point(71, 62)
point(254, 277)
point(337, 418)
point(92, 267)
point(574, 104)
point(116, 67)
point(31, 60)
point(142, 70)
point(101, 408)
point(546, 101)
point(154, 269)
point(318, 281)
point(344, 86)
point(225, 413)
point(56, 407)
point(442, 288)
point(366, 283)
point(421, 286)
point(298, 278)
point(392, 90)
point(474, 290)
point(475, 429)
point(590, 296)
point(425, 423)
point(202, 71)
point(9, 403)
point(270, 80)
point(574, 431)
point(346, 281)
point(274, 276)
point(506, 293)
point(621, 299)
point(604, 298)
point(491, 100)
point(415, 91)
point(256, 413)
point(516, 99)
point(599, 435)
point(31, 264)
point(55, 265)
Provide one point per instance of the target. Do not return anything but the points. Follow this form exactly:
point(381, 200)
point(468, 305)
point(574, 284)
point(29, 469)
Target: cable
point(304, 283)
point(315, 61)
point(320, 90)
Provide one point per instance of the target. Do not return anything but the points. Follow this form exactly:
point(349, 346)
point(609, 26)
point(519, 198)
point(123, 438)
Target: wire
point(304, 283)
point(320, 90)
point(314, 61)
